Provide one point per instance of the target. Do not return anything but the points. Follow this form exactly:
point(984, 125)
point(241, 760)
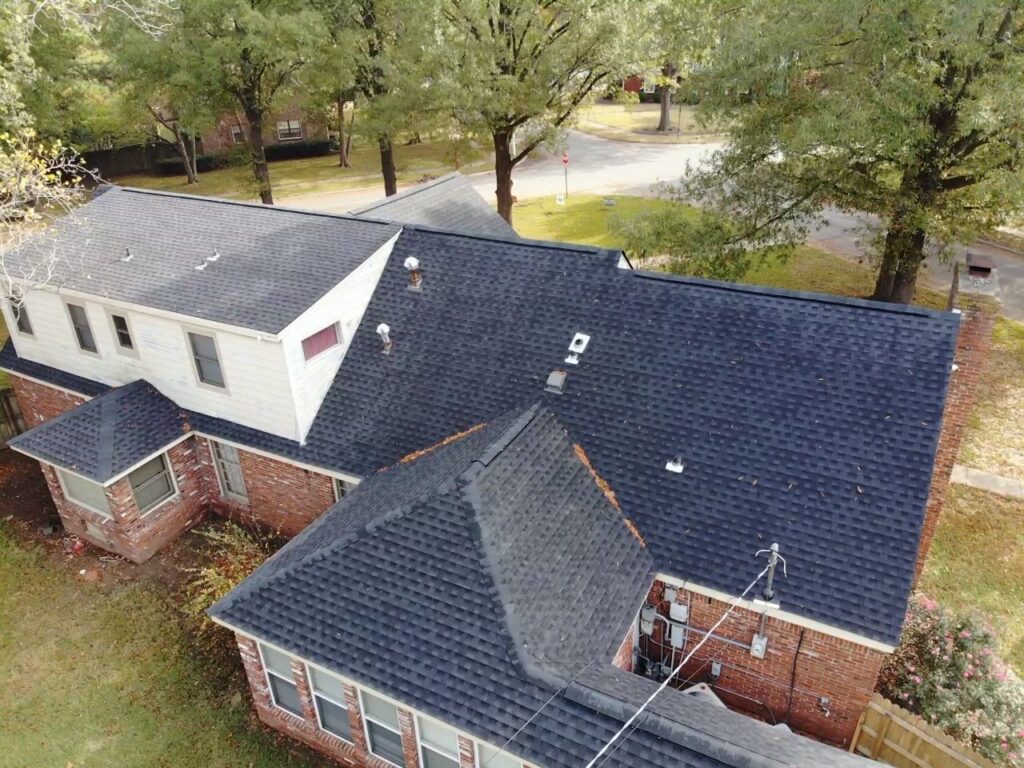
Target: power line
point(734, 602)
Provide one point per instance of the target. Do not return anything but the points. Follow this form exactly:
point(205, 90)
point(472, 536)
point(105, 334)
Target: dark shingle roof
point(9, 360)
point(274, 263)
point(108, 435)
point(474, 583)
point(448, 202)
point(803, 419)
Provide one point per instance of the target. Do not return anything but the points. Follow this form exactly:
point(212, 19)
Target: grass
point(3, 340)
point(105, 677)
point(314, 175)
point(586, 219)
point(994, 440)
point(976, 562)
point(640, 122)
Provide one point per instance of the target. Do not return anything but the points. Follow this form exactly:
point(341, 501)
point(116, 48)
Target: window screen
point(329, 695)
point(124, 336)
point(151, 484)
point(204, 351)
point(80, 323)
point(283, 690)
point(85, 492)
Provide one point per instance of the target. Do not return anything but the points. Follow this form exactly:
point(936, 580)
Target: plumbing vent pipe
point(415, 274)
point(384, 331)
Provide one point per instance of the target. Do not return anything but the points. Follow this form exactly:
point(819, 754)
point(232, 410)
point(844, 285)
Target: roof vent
point(577, 347)
point(555, 382)
point(128, 256)
point(415, 275)
point(675, 464)
point(215, 257)
point(201, 267)
point(384, 331)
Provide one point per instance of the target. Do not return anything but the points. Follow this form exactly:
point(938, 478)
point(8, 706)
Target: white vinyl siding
point(85, 492)
point(439, 745)
point(331, 709)
point(229, 470)
point(152, 484)
point(283, 690)
point(383, 732)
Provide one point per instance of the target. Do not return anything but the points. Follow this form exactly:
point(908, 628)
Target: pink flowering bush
point(946, 671)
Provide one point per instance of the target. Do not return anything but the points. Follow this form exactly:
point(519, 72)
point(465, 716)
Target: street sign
point(565, 158)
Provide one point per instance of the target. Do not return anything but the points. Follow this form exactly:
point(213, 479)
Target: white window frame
point(501, 753)
point(337, 482)
point(169, 470)
point(337, 343)
point(236, 138)
point(423, 745)
point(74, 329)
point(215, 445)
point(270, 689)
point(343, 704)
point(17, 313)
point(288, 127)
point(366, 728)
point(193, 331)
point(133, 351)
point(106, 514)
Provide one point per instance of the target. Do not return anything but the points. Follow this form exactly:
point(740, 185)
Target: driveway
point(601, 166)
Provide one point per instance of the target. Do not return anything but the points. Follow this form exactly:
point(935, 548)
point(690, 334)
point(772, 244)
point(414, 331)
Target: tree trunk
point(342, 147)
point(665, 121)
point(503, 173)
point(901, 260)
point(351, 128)
point(195, 160)
point(179, 141)
point(259, 158)
point(387, 166)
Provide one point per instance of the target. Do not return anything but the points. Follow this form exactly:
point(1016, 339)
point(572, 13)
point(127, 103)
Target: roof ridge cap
point(406, 193)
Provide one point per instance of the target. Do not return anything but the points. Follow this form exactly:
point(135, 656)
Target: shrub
point(628, 99)
point(946, 671)
point(233, 553)
point(293, 149)
point(175, 166)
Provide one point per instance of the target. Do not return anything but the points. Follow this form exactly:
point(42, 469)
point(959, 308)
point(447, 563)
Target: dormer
point(238, 311)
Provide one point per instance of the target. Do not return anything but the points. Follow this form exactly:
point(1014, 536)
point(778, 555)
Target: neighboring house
point(291, 124)
point(259, 362)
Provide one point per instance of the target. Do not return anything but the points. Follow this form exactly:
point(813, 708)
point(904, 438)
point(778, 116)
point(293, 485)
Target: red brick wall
point(306, 729)
point(218, 139)
point(841, 670)
point(624, 656)
point(282, 497)
point(128, 533)
point(973, 346)
point(38, 402)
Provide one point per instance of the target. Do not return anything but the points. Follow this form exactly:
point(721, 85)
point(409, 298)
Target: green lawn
point(976, 562)
point(104, 677)
point(311, 175)
point(640, 123)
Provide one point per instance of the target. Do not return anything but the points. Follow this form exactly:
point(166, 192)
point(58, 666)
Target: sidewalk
point(987, 481)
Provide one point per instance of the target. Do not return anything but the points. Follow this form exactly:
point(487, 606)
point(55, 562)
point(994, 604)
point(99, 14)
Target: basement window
point(382, 729)
point(85, 493)
point(331, 709)
point(281, 681)
point(152, 484)
point(320, 342)
point(439, 745)
point(83, 331)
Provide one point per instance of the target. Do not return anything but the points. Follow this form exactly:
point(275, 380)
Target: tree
point(246, 53)
point(912, 112)
point(529, 64)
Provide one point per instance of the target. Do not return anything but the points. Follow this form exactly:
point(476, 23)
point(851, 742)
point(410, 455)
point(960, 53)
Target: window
point(320, 342)
point(85, 492)
point(331, 709)
point(229, 470)
point(281, 680)
point(80, 322)
point(204, 352)
point(124, 336)
point(23, 324)
point(342, 488)
point(492, 758)
point(650, 86)
point(151, 484)
point(439, 745)
point(237, 134)
point(289, 129)
point(382, 729)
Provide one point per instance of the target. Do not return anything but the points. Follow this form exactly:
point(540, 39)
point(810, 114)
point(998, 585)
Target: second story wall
point(256, 393)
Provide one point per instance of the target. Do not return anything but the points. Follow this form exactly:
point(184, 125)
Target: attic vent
point(201, 267)
point(555, 382)
point(675, 464)
point(577, 347)
point(384, 331)
point(415, 275)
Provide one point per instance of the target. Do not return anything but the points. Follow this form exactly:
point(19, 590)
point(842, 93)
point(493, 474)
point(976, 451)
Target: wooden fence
point(892, 735)
point(11, 421)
